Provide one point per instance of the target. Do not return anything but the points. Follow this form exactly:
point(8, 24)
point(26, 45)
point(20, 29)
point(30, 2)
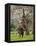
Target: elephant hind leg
point(22, 34)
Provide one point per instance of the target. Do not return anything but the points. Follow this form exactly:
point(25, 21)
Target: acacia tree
point(27, 20)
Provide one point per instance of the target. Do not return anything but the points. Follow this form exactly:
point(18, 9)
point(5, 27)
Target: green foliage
point(12, 27)
point(14, 37)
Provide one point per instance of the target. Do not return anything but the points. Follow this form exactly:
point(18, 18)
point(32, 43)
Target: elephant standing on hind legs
point(23, 26)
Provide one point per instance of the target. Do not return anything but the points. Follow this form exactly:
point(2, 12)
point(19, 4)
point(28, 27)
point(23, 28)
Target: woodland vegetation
point(21, 22)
